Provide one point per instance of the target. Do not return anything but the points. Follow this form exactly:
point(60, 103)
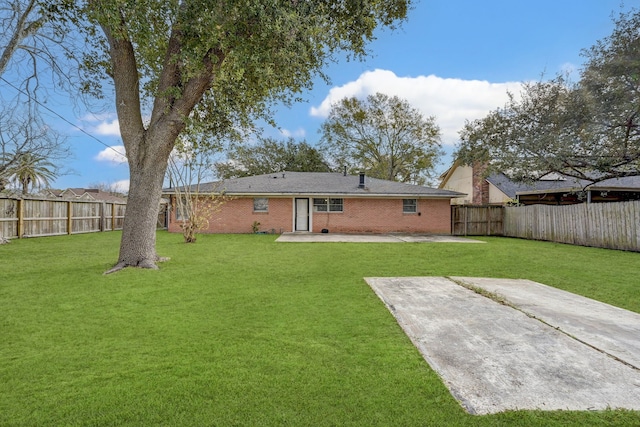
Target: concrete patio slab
point(372, 238)
point(610, 329)
point(495, 358)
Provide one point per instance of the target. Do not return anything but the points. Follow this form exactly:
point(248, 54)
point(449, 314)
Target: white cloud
point(109, 128)
point(114, 154)
point(451, 101)
point(102, 124)
point(121, 186)
point(298, 133)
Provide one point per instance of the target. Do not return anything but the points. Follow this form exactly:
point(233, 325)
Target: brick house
point(316, 201)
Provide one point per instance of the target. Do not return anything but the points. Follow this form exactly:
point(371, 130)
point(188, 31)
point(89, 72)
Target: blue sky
point(454, 59)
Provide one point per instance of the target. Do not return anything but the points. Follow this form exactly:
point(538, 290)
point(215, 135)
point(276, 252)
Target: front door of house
point(302, 215)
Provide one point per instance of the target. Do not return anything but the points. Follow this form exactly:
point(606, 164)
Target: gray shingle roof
point(319, 183)
point(511, 188)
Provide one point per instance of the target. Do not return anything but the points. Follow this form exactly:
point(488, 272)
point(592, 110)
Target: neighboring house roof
point(320, 183)
point(444, 177)
point(561, 184)
point(511, 188)
point(55, 193)
point(551, 182)
point(87, 194)
point(629, 183)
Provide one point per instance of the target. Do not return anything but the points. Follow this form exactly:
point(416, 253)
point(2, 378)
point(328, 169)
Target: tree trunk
point(138, 243)
point(148, 149)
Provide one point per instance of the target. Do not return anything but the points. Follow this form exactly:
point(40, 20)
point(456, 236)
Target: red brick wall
point(386, 216)
point(237, 215)
point(480, 185)
point(359, 216)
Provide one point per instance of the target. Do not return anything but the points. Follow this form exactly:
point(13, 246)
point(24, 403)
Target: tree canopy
point(210, 68)
point(589, 129)
point(384, 136)
point(271, 155)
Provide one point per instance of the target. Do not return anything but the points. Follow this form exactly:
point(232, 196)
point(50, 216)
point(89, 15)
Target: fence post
point(103, 208)
point(20, 210)
point(466, 219)
point(113, 216)
point(69, 213)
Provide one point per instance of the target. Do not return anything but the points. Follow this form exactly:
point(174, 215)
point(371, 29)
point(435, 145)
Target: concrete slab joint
point(503, 344)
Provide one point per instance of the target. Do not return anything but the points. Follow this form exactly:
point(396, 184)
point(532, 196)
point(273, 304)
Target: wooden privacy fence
point(476, 220)
point(604, 225)
point(44, 217)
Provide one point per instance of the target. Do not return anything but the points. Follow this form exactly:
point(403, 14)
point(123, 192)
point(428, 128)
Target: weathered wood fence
point(604, 225)
point(476, 220)
point(45, 217)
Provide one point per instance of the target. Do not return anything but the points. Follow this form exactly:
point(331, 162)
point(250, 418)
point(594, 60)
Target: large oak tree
point(210, 66)
point(384, 136)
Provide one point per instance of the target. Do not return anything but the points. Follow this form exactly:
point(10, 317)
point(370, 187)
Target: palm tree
point(33, 170)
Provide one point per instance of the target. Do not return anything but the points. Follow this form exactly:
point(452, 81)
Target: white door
point(302, 215)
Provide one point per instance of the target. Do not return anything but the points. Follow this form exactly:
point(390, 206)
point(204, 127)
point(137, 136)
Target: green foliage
point(232, 332)
point(588, 130)
point(210, 68)
point(384, 136)
point(33, 170)
point(269, 156)
point(249, 53)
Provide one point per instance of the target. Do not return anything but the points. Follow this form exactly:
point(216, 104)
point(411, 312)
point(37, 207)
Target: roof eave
point(321, 194)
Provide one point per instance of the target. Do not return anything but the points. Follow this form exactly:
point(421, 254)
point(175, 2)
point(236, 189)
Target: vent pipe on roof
point(344, 172)
point(361, 184)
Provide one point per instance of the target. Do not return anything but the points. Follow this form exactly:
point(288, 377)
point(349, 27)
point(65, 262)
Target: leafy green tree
point(33, 171)
point(384, 136)
point(589, 129)
point(271, 155)
point(210, 68)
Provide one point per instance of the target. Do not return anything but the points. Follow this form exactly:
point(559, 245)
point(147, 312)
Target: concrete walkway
point(372, 238)
point(543, 349)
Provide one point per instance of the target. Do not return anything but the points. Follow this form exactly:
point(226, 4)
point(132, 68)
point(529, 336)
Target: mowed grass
point(241, 330)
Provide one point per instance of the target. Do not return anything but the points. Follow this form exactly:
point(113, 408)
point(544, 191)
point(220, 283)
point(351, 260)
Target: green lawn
point(240, 330)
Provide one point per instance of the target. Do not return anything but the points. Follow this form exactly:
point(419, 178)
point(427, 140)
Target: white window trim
point(415, 206)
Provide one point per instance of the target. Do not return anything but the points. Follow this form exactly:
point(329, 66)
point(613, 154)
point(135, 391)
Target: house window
point(182, 209)
point(409, 205)
point(261, 204)
point(327, 205)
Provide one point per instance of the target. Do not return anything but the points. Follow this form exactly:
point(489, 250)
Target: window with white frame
point(182, 209)
point(327, 205)
point(260, 204)
point(409, 205)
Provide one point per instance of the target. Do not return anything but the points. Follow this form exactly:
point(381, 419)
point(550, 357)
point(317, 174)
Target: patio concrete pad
point(494, 357)
point(610, 329)
point(372, 238)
